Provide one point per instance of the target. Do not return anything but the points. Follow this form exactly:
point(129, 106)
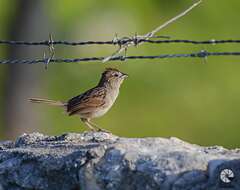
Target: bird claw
point(103, 130)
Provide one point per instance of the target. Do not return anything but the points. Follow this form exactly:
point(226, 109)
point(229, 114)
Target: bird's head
point(112, 77)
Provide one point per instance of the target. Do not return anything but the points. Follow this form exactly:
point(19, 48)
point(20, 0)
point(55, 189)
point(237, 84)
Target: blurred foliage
point(185, 98)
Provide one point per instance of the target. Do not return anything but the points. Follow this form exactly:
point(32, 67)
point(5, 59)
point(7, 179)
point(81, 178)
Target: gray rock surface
point(102, 161)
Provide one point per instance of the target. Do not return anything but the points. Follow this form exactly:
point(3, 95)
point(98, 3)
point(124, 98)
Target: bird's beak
point(124, 75)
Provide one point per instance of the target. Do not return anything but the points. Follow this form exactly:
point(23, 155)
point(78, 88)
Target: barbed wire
point(123, 44)
point(201, 54)
point(119, 42)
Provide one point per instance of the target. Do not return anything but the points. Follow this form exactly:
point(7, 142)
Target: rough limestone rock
point(102, 161)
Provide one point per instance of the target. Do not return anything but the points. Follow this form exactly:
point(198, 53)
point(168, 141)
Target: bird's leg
point(86, 122)
point(98, 128)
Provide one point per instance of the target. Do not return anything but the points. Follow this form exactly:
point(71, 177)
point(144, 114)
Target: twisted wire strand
point(113, 42)
point(201, 54)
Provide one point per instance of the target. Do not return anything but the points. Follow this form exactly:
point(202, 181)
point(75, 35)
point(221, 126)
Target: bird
point(93, 103)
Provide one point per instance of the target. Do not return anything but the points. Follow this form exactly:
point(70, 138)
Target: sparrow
point(94, 102)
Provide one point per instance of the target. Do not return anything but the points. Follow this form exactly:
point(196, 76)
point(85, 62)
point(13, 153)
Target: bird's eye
point(115, 75)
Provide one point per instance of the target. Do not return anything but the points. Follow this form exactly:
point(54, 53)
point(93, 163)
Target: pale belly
point(96, 112)
point(100, 112)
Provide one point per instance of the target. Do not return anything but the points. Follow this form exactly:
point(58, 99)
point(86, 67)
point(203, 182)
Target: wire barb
point(150, 34)
point(51, 51)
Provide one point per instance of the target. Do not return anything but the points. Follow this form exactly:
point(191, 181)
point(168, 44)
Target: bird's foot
point(103, 130)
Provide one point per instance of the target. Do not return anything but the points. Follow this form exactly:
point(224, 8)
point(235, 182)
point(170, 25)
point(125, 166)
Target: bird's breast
point(112, 96)
point(109, 101)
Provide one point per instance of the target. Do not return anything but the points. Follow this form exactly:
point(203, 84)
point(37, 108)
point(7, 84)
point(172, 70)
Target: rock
point(102, 161)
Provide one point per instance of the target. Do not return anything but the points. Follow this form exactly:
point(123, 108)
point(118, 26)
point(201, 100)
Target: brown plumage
point(49, 102)
point(83, 103)
point(94, 102)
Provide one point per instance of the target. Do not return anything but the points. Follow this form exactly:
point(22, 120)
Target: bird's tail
point(49, 102)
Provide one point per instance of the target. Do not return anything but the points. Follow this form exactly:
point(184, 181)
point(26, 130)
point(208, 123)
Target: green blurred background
point(187, 98)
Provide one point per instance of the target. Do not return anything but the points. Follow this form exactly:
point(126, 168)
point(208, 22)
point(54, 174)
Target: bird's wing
point(87, 101)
